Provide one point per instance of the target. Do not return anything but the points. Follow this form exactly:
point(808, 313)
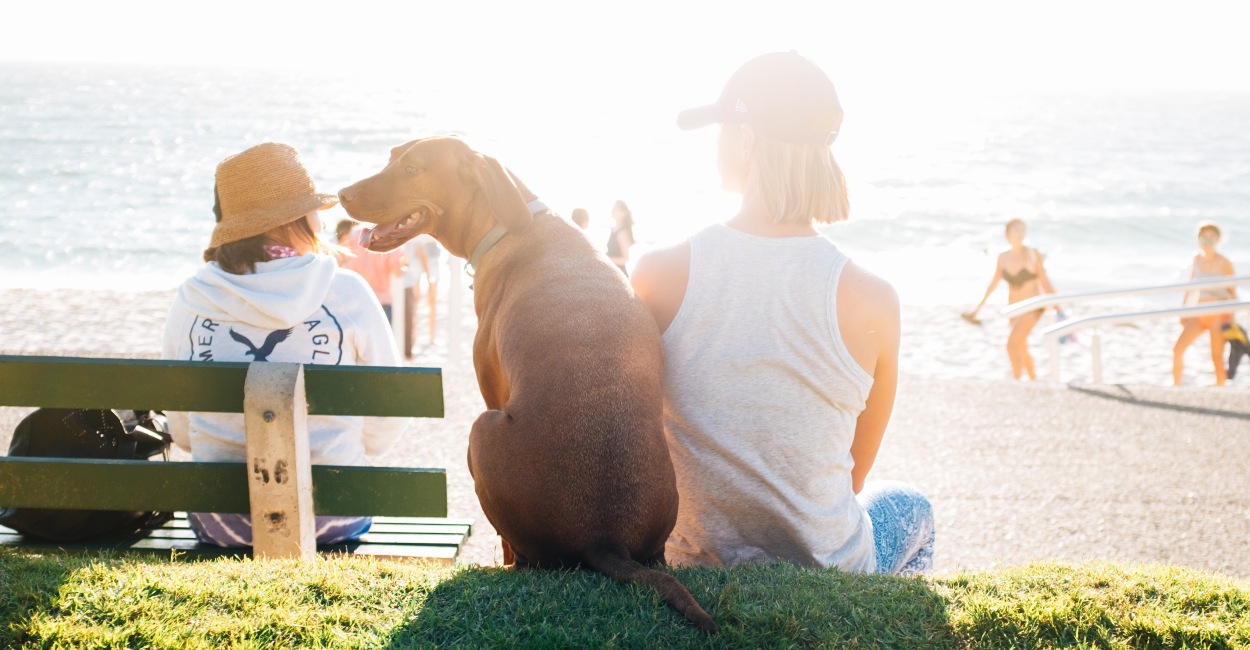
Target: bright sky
point(934, 46)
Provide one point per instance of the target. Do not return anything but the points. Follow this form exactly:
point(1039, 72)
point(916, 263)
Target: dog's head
point(438, 186)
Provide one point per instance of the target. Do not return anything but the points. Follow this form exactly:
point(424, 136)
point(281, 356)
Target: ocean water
point(106, 171)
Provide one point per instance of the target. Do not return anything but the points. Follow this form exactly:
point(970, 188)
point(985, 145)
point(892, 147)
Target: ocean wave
point(111, 168)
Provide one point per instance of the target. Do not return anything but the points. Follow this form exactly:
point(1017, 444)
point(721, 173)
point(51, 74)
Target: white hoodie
point(299, 310)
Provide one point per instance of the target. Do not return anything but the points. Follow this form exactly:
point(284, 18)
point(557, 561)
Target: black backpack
point(86, 433)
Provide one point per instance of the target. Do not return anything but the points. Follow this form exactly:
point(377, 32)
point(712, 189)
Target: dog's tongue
point(379, 239)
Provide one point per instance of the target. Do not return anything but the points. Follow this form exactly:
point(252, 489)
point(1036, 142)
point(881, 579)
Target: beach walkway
point(1021, 472)
point(1016, 471)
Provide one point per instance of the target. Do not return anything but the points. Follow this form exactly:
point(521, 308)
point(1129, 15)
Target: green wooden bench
point(282, 491)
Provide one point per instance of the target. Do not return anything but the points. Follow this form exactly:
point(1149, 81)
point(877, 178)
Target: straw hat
point(263, 188)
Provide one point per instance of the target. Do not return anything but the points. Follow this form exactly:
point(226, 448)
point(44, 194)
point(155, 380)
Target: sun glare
point(910, 44)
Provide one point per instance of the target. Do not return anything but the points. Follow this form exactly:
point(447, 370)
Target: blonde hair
point(800, 182)
point(1210, 225)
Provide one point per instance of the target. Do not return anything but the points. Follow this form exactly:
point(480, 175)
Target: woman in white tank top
point(781, 354)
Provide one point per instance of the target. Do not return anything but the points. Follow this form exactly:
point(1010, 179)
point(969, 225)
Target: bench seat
point(409, 505)
point(437, 539)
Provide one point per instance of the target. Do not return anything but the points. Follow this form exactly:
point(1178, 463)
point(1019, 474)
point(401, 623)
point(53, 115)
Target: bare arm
point(1043, 279)
point(660, 279)
point(871, 425)
point(998, 276)
point(1193, 273)
point(1228, 270)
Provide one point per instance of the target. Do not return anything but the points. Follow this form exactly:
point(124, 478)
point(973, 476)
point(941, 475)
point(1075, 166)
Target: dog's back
point(571, 465)
point(583, 366)
point(569, 462)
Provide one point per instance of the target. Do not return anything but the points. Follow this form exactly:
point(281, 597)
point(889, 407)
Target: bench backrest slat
point(212, 487)
point(68, 382)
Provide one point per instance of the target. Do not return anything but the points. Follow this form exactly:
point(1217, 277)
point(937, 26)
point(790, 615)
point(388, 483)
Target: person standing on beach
point(378, 269)
point(621, 239)
point(781, 355)
point(1026, 278)
point(580, 217)
point(424, 262)
point(1206, 264)
point(268, 294)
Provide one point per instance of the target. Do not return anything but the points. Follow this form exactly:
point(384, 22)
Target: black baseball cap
point(781, 95)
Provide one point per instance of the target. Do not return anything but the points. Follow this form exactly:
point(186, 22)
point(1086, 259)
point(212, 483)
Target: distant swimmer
point(1026, 278)
point(1206, 264)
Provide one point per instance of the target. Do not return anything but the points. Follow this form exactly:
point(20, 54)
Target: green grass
point(107, 601)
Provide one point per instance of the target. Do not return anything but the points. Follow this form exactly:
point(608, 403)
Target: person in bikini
point(1207, 264)
point(1021, 267)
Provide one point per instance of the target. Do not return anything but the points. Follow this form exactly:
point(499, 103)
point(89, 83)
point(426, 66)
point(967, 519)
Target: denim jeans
point(235, 531)
point(902, 526)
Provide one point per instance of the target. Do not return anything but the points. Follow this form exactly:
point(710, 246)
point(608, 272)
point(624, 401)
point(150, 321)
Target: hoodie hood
point(278, 295)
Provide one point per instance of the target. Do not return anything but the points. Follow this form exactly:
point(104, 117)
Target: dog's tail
point(612, 559)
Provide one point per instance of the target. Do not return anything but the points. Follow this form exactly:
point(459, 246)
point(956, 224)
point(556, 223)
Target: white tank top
point(763, 398)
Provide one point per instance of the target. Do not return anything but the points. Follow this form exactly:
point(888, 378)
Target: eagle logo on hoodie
point(266, 348)
point(317, 339)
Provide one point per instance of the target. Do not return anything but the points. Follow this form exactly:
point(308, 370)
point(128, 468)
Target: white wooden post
point(275, 416)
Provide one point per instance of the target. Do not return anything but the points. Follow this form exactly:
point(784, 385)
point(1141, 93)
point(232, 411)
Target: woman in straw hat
point(781, 355)
point(267, 294)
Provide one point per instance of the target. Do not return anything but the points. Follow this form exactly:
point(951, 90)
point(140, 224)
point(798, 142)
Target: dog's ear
point(504, 199)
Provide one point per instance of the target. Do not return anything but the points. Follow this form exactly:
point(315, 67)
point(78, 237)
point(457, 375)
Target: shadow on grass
point(1120, 393)
point(29, 584)
point(763, 606)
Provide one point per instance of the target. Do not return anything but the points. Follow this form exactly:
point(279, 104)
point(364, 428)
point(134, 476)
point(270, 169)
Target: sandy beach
point(1134, 471)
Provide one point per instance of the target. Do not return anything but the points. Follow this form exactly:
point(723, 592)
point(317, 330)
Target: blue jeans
point(902, 526)
point(235, 531)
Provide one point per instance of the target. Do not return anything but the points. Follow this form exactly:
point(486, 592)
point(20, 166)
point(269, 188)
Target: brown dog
point(570, 462)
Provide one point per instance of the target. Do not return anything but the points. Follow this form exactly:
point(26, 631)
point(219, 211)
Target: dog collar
point(497, 234)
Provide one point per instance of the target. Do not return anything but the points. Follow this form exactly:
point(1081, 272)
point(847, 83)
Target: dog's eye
point(411, 169)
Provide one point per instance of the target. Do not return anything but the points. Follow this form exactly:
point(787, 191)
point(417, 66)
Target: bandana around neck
point(276, 252)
